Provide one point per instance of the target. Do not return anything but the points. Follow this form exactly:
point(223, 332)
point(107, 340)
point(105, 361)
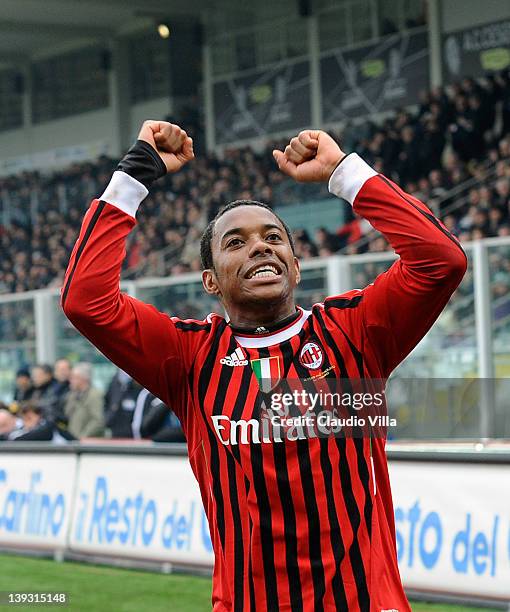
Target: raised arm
point(134, 335)
point(397, 310)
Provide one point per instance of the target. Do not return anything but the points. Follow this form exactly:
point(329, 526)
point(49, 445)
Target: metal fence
point(471, 338)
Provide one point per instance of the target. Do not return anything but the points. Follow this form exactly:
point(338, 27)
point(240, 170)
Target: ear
point(210, 283)
point(298, 270)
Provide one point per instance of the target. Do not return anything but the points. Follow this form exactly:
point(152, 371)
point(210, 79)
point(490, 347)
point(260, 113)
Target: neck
point(260, 315)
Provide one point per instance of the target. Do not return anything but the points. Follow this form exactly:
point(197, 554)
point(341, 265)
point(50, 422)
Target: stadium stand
point(453, 153)
point(45, 408)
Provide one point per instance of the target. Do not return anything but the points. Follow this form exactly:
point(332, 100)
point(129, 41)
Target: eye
point(234, 242)
point(273, 236)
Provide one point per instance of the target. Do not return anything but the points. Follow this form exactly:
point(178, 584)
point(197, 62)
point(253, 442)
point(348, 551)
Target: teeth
point(266, 271)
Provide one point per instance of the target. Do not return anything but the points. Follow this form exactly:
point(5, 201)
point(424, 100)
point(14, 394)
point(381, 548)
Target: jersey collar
point(280, 333)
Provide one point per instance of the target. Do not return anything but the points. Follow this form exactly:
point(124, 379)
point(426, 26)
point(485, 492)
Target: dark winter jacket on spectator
point(119, 405)
point(155, 421)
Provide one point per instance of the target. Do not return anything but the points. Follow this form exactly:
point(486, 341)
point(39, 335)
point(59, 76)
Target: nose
point(258, 247)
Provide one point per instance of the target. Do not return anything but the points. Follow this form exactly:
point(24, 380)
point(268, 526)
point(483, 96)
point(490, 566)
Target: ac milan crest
point(311, 356)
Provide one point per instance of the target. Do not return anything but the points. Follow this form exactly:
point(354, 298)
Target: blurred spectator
point(9, 422)
point(62, 374)
point(119, 404)
point(153, 420)
point(45, 391)
point(36, 427)
point(23, 385)
point(84, 404)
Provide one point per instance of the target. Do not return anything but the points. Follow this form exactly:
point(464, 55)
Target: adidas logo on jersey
point(234, 359)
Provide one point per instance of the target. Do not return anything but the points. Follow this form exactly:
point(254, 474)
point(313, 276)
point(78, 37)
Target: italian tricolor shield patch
point(268, 373)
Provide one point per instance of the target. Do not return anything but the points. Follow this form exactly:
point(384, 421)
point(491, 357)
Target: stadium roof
point(35, 28)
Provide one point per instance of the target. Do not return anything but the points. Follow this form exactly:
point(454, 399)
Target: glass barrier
point(17, 341)
point(70, 344)
point(313, 287)
point(499, 282)
point(441, 408)
point(449, 349)
point(499, 279)
point(186, 300)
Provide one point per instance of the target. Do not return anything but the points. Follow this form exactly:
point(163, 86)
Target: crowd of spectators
point(452, 152)
point(458, 133)
point(60, 403)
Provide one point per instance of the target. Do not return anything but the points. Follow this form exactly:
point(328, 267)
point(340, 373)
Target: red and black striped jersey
point(297, 522)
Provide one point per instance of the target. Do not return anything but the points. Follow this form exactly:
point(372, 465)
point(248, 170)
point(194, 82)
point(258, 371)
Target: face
point(62, 370)
point(39, 376)
point(77, 382)
point(253, 259)
point(30, 419)
point(7, 422)
point(23, 382)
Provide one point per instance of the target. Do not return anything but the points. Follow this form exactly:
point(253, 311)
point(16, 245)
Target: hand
point(173, 145)
point(309, 157)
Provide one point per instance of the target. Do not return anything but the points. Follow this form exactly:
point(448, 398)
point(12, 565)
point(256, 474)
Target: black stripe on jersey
point(358, 357)
point(426, 214)
point(355, 520)
point(317, 311)
point(83, 243)
point(204, 382)
point(358, 442)
point(240, 402)
point(337, 544)
point(364, 475)
point(343, 302)
point(264, 507)
point(193, 326)
point(345, 478)
point(312, 509)
point(363, 471)
point(238, 534)
point(289, 512)
point(237, 411)
point(221, 390)
point(314, 529)
point(250, 568)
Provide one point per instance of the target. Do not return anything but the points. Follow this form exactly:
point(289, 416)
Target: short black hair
point(45, 367)
point(205, 242)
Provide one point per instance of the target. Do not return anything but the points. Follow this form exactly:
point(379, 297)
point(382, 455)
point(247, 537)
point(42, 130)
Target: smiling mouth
point(264, 271)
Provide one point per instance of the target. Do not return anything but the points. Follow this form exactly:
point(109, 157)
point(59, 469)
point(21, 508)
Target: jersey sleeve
point(142, 341)
point(399, 307)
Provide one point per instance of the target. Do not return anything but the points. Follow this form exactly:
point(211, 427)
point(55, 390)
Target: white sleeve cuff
point(349, 177)
point(125, 192)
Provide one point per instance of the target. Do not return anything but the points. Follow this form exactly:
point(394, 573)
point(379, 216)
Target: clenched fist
point(309, 157)
point(172, 143)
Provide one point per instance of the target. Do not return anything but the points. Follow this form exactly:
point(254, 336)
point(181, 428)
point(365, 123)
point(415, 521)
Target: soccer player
point(296, 524)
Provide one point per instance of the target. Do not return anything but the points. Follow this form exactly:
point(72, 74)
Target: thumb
point(284, 163)
point(187, 148)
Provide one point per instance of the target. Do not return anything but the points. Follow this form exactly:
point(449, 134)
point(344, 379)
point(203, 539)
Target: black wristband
point(143, 163)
